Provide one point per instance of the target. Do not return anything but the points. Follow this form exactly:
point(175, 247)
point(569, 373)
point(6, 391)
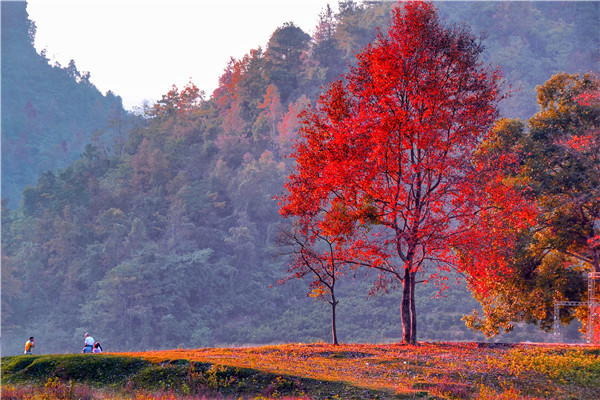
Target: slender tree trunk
point(406, 307)
point(333, 303)
point(413, 310)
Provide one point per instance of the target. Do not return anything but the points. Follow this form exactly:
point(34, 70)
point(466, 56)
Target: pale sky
point(139, 48)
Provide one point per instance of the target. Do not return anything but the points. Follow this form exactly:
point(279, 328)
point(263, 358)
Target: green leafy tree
point(357, 24)
point(562, 166)
point(324, 60)
point(284, 49)
point(557, 159)
point(286, 45)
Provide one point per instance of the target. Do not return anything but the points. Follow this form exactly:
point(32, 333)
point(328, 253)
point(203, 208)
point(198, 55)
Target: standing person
point(88, 344)
point(97, 348)
point(29, 345)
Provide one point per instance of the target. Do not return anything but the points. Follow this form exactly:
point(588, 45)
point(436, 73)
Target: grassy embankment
point(315, 371)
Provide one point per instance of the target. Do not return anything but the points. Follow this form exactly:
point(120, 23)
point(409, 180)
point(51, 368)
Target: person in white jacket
point(88, 343)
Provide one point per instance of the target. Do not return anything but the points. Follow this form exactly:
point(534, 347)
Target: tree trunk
point(333, 303)
point(413, 310)
point(406, 307)
point(408, 310)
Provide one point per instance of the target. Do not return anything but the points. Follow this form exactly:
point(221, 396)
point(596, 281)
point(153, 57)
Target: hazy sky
point(139, 48)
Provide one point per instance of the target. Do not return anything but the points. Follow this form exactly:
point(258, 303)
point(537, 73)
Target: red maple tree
point(394, 144)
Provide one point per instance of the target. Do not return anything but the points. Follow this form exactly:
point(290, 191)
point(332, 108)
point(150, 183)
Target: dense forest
point(164, 236)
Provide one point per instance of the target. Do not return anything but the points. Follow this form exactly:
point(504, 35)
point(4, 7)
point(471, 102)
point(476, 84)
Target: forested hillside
point(49, 112)
point(531, 41)
point(167, 239)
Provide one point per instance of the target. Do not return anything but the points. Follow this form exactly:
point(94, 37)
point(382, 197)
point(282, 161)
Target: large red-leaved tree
point(393, 144)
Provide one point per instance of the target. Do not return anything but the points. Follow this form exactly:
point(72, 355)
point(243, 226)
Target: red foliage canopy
point(394, 144)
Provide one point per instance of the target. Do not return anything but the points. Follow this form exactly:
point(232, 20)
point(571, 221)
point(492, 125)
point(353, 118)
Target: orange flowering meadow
point(446, 370)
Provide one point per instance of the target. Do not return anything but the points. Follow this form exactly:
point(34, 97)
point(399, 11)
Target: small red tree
point(394, 145)
point(318, 257)
point(326, 246)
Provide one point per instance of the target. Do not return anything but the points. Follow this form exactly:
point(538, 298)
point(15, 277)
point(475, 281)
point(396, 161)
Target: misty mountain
point(49, 112)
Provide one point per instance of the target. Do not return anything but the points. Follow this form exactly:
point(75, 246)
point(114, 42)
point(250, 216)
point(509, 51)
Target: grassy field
point(313, 371)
